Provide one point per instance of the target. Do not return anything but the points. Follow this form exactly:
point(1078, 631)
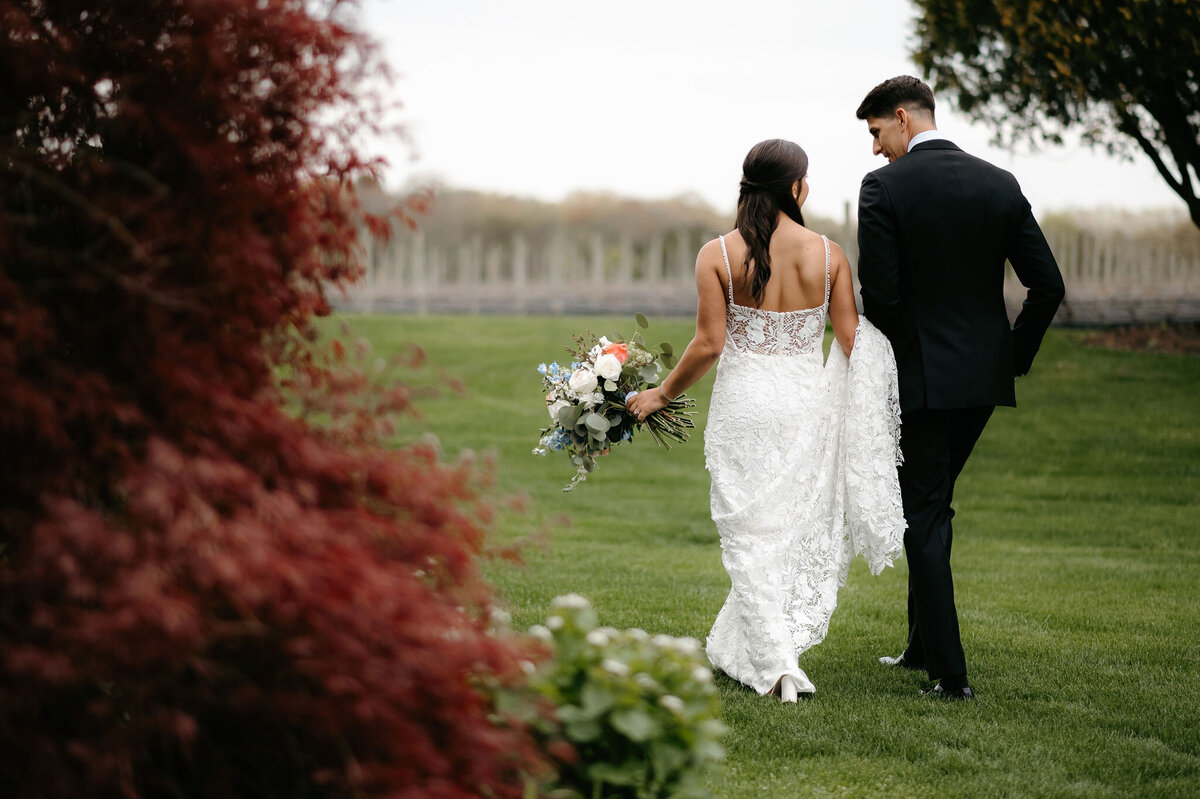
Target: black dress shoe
point(937, 692)
point(902, 661)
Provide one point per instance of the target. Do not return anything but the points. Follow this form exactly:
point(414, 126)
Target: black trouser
point(936, 444)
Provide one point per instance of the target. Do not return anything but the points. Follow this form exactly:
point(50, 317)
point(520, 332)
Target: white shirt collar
point(924, 136)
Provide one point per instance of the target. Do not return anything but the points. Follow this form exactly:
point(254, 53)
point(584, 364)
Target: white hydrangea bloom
point(572, 601)
point(671, 703)
point(597, 638)
point(615, 667)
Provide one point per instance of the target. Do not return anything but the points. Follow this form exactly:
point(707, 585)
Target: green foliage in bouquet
point(640, 711)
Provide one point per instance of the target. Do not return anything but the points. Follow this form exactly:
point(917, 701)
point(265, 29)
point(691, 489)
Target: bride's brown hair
point(770, 169)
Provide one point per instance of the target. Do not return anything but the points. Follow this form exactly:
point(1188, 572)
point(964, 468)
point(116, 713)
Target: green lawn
point(1076, 562)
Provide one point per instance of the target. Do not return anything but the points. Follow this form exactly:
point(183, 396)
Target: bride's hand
point(646, 402)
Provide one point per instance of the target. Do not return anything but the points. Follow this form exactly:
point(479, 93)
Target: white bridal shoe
point(790, 688)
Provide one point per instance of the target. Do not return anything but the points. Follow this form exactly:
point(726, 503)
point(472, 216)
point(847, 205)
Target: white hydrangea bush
point(640, 712)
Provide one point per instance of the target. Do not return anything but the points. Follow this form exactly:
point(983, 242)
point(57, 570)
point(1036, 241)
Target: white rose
point(556, 406)
point(583, 381)
point(604, 342)
point(608, 367)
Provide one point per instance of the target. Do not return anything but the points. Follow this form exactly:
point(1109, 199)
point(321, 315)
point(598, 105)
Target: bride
point(802, 453)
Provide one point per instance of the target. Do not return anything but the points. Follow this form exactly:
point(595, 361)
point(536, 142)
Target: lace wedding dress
point(802, 456)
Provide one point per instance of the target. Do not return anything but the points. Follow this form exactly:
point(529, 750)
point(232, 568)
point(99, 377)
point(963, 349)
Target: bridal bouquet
point(586, 400)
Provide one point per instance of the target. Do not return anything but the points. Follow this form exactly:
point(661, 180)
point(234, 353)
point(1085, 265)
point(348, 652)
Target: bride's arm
point(842, 310)
point(705, 346)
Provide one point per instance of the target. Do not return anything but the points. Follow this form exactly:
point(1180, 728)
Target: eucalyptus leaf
point(641, 321)
point(650, 372)
point(667, 348)
point(596, 423)
point(568, 416)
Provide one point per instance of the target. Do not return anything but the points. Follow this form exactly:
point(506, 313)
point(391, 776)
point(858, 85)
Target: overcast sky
point(661, 97)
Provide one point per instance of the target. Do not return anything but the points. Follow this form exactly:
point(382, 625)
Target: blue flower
point(559, 439)
point(541, 368)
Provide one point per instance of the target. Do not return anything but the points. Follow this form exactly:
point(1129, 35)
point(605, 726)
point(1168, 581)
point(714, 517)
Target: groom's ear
point(902, 117)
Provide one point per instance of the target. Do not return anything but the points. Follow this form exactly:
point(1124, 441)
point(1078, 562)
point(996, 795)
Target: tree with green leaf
point(1124, 72)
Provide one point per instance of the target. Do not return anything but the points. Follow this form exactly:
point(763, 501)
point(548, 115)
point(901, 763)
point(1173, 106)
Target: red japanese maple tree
point(200, 594)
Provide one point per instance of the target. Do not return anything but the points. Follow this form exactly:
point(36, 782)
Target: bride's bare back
point(797, 270)
point(797, 279)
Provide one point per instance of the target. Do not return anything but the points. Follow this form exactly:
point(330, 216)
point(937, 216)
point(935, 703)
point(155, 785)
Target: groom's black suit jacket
point(934, 230)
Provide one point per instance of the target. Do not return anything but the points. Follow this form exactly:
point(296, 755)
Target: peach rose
point(618, 349)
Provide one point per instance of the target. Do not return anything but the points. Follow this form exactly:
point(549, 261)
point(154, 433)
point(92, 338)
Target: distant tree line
point(455, 214)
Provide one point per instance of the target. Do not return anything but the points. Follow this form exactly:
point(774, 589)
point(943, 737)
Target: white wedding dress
point(803, 457)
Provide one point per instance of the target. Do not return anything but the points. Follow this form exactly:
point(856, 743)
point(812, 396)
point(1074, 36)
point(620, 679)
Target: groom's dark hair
point(905, 90)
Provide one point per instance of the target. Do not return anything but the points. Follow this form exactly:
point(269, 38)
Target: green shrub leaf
point(635, 724)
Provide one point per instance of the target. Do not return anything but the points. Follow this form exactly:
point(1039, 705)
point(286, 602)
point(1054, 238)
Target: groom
point(935, 227)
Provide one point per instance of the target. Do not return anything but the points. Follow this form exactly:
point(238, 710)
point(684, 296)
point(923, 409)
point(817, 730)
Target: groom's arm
point(1035, 267)
point(878, 256)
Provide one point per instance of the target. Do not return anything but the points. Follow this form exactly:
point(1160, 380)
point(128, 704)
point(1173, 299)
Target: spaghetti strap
point(826, 241)
point(728, 271)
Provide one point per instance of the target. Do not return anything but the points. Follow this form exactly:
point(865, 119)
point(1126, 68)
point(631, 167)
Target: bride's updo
point(770, 169)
